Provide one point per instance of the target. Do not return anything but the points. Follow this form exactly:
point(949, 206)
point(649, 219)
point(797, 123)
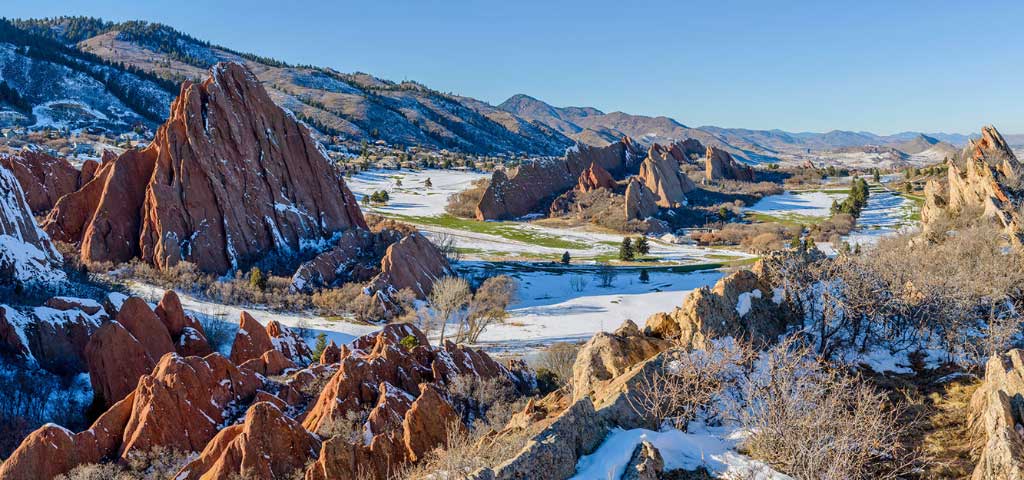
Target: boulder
point(251, 340)
point(331, 354)
point(43, 178)
point(27, 256)
point(996, 419)
point(136, 316)
point(645, 463)
point(719, 164)
point(271, 363)
point(116, 361)
point(414, 263)
point(162, 204)
point(741, 305)
point(268, 444)
point(660, 173)
point(608, 355)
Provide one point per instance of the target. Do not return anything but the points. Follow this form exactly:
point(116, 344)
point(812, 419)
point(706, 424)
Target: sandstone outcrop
point(252, 340)
point(660, 173)
point(268, 444)
point(52, 337)
point(741, 305)
point(186, 332)
point(645, 463)
point(228, 178)
point(595, 177)
point(409, 415)
point(355, 257)
point(414, 263)
point(982, 182)
point(43, 178)
point(996, 419)
point(719, 164)
point(538, 181)
point(27, 255)
point(608, 355)
point(640, 201)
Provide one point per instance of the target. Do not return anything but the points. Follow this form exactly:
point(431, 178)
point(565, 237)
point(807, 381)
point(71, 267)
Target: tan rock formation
point(163, 205)
point(660, 173)
point(996, 419)
point(640, 200)
point(645, 463)
point(607, 355)
point(981, 182)
point(719, 164)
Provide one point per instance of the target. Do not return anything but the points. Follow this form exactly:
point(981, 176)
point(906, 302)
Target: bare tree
point(489, 306)
point(558, 359)
point(448, 297)
point(446, 244)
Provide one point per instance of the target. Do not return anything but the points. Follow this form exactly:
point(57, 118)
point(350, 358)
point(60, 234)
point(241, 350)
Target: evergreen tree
point(626, 251)
point(642, 246)
point(795, 243)
point(566, 258)
point(644, 276)
point(321, 344)
point(810, 243)
point(257, 280)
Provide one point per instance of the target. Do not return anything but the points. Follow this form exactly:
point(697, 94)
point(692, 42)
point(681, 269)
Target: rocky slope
point(984, 181)
point(26, 254)
point(45, 179)
point(229, 177)
point(996, 419)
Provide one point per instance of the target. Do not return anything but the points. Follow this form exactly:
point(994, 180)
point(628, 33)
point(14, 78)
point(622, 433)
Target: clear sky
point(883, 66)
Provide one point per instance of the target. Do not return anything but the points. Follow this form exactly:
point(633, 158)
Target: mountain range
point(151, 58)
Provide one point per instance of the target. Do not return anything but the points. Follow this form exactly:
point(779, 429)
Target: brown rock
point(43, 178)
point(718, 164)
point(996, 419)
point(251, 340)
point(269, 444)
point(89, 307)
point(428, 423)
point(225, 140)
point(271, 363)
point(640, 200)
point(28, 256)
point(594, 178)
point(169, 312)
point(116, 361)
point(414, 263)
point(331, 354)
point(192, 343)
point(289, 343)
point(392, 405)
point(608, 355)
point(645, 463)
point(146, 327)
point(51, 338)
point(355, 258)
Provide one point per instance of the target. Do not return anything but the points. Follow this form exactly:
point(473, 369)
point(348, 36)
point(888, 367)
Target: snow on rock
point(26, 254)
point(743, 304)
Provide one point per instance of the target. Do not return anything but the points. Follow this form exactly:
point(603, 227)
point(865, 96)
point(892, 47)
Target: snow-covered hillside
point(26, 254)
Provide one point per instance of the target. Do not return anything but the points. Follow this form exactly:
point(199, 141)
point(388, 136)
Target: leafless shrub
point(447, 298)
point(446, 244)
point(606, 276)
point(578, 283)
point(156, 464)
point(219, 331)
point(463, 204)
point(689, 383)
point(558, 359)
point(812, 422)
point(489, 306)
point(30, 398)
point(350, 427)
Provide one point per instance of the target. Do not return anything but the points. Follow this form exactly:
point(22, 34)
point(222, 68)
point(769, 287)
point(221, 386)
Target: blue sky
point(800, 66)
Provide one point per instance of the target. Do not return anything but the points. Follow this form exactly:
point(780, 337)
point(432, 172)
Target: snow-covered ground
point(885, 214)
point(712, 449)
point(412, 197)
point(570, 304)
point(810, 204)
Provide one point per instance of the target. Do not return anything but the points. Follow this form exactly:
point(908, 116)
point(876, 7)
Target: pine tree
point(257, 280)
point(644, 276)
point(566, 258)
point(642, 246)
point(626, 251)
point(321, 344)
point(810, 243)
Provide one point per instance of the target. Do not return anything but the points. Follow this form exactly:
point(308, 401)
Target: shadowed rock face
point(985, 181)
point(594, 178)
point(531, 184)
point(414, 263)
point(45, 179)
point(26, 253)
point(229, 177)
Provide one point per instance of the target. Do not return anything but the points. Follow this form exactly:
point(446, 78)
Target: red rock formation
point(136, 316)
point(268, 444)
point(660, 173)
point(412, 263)
point(640, 201)
point(229, 177)
point(538, 181)
point(53, 450)
point(187, 333)
point(271, 363)
point(331, 354)
point(43, 178)
point(718, 164)
point(428, 422)
point(355, 258)
point(253, 340)
point(594, 178)
point(52, 338)
point(116, 361)
point(687, 151)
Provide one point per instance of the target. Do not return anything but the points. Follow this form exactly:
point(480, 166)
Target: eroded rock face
point(608, 355)
point(414, 263)
point(981, 183)
point(52, 337)
point(355, 257)
point(741, 305)
point(660, 173)
point(181, 198)
point(532, 184)
point(595, 177)
point(645, 463)
point(253, 340)
point(43, 178)
point(27, 255)
point(719, 164)
point(640, 201)
point(996, 419)
point(409, 414)
point(268, 444)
